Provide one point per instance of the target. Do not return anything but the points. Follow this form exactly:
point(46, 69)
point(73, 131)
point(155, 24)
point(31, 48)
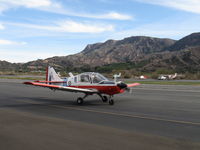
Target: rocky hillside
point(127, 50)
point(146, 54)
point(189, 41)
point(6, 66)
point(183, 56)
point(186, 60)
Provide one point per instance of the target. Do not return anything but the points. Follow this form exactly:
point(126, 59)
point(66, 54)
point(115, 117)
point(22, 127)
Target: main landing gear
point(104, 98)
point(111, 101)
point(80, 100)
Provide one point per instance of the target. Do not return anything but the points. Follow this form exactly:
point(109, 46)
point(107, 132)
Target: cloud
point(110, 15)
point(26, 3)
point(16, 56)
point(8, 42)
point(70, 26)
point(173, 27)
point(186, 5)
point(2, 27)
point(36, 4)
point(55, 7)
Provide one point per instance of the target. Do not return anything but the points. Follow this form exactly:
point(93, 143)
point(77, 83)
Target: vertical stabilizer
point(51, 75)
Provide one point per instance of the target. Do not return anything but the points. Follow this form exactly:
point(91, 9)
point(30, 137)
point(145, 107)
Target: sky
point(38, 29)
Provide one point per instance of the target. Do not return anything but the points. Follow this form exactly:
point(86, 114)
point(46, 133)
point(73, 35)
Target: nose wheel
point(104, 99)
point(111, 102)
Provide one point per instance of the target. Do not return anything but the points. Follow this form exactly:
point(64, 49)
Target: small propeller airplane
point(88, 83)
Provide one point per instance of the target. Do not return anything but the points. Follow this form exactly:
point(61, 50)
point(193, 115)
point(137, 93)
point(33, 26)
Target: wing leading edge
point(63, 88)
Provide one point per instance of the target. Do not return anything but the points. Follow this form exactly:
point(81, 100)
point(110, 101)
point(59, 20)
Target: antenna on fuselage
point(116, 76)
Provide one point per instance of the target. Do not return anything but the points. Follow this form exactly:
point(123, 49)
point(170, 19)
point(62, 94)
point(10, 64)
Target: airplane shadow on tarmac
point(44, 102)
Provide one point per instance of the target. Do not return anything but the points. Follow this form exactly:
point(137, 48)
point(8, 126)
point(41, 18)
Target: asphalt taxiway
point(152, 117)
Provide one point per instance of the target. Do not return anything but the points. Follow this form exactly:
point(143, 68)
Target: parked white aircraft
point(167, 77)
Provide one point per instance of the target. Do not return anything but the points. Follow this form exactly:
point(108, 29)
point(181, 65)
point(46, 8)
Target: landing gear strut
point(111, 101)
point(80, 100)
point(104, 98)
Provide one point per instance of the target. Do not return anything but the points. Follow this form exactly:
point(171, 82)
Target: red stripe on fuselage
point(110, 90)
point(103, 89)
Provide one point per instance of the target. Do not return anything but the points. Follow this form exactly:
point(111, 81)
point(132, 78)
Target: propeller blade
point(129, 90)
point(133, 84)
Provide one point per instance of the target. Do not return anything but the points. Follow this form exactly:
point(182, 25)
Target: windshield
point(96, 77)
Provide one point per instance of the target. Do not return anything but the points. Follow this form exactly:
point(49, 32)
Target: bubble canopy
point(92, 77)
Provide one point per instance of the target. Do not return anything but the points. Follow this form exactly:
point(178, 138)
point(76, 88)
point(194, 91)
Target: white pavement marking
point(120, 114)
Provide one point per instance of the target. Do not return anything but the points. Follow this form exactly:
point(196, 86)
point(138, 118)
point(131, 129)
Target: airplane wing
point(63, 88)
point(133, 84)
point(51, 81)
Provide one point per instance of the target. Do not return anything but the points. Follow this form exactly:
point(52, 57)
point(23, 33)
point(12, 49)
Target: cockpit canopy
point(92, 77)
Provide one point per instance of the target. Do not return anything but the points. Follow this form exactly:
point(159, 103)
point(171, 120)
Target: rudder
point(51, 74)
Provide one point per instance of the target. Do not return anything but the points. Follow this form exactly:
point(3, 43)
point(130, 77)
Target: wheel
point(104, 98)
point(79, 100)
point(111, 102)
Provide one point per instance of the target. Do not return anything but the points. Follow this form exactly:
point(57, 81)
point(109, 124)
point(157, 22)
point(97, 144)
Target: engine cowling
point(122, 85)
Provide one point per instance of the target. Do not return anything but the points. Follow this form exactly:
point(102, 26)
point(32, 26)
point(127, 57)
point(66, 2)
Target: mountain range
point(146, 54)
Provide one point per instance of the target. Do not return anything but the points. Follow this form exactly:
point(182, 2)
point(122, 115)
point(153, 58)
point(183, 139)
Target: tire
point(104, 99)
point(111, 102)
point(79, 101)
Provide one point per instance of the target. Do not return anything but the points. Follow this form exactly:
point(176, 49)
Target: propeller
point(122, 85)
point(127, 87)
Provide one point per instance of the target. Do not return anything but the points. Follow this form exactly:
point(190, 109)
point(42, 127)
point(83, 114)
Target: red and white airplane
point(88, 83)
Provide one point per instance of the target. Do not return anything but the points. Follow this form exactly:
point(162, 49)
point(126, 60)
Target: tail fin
point(51, 74)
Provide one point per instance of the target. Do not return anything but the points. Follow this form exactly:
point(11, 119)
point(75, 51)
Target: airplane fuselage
point(88, 83)
point(103, 89)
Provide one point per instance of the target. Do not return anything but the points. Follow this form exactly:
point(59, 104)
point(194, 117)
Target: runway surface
point(153, 117)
